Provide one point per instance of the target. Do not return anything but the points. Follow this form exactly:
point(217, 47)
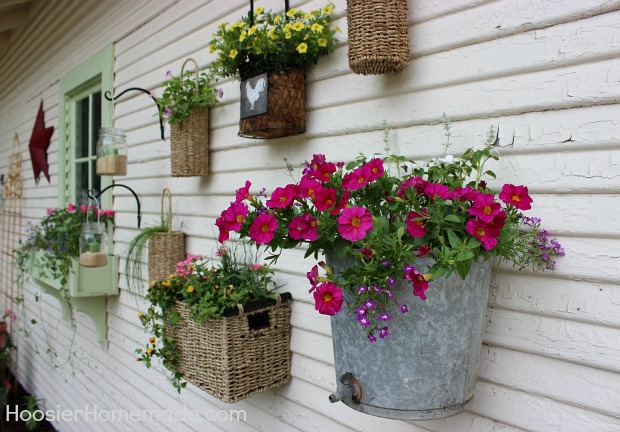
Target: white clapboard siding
point(544, 73)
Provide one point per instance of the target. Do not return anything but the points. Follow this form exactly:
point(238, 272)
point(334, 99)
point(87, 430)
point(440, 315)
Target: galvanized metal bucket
point(427, 367)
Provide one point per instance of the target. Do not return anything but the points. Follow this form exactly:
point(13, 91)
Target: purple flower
point(360, 312)
point(363, 321)
point(371, 337)
point(167, 112)
point(385, 316)
point(544, 257)
point(220, 93)
point(361, 289)
point(391, 281)
point(377, 288)
point(369, 304)
point(385, 263)
point(404, 308)
point(168, 74)
point(383, 332)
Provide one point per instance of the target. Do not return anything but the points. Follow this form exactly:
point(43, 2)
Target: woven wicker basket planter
point(189, 154)
point(166, 249)
point(286, 112)
point(378, 36)
point(233, 358)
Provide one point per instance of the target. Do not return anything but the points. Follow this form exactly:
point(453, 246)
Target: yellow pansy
point(149, 350)
point(233, 53)
point(302, 48)
point(277, 19)
point(272, 33)
point(322, 42)
point(298, 26)
point(190, 289)
point(223, 25)
point(291, 12)
point(140, 315)
point(287, 27)
point(259, 10)
point(316, 28)
point(327, 10)
point(237, 24)
point(153, 282)
point(242, 36)
point(307, 16)
point(288, 35)
point(152, 341)
point(252, 31)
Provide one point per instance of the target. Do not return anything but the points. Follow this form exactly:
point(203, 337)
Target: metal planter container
point(427, 367)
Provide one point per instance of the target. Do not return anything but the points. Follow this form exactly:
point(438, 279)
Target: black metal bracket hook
point(108, 96)
point(90, 195)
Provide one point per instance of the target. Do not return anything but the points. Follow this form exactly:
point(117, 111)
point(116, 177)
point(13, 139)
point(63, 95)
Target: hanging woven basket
point(165, 249)
point(235, 357)
point(378, 36)
point(286, 106)
point(189, 154)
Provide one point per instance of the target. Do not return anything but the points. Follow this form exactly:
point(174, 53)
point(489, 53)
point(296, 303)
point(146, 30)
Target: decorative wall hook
point(108, 96)
point(91, 196)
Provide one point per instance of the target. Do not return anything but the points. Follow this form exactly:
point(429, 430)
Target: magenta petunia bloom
point(417, 183)
point(354, 223)
point(71, 208)
point(517, 196)
point(224, 233)
point(496, 225)
point(435, 189)
point(376, 169)
point(416, 224)
point(322, 171)
point(481, 231)
point(325, 199)
point(419, 282)
point(328, 298)
point(243, 193)
point(313, 277)
point(109, 212)
point(83, 208)
point(423, 250)
point(234, 216)
point(282, 197)
point(263, 228)
point(308, 187)
point(303, 227)
point(344, 202)
point(485, 208)
point(356, 179)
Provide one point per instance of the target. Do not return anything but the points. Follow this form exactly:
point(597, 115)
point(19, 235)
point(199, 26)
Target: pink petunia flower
point(376, 169)
point(481, 231)
point(328, 298)
point(234, 216)
point(423, 250)
point(224, 233)
point(71, 208)
point(496, 225)
point(419, 282)
point(356, 179)
point(517, 196)
point(303, 227)
point(109, 212)
point(83, 208)
point(313, 277)
point(323, 171)
point(416, 224)
point(354, 223)
point(263, 228)
point(417, 183)
point(308, 187)
point(325, 199)
point(344, 202)
point(243, 193)
point(436, 189)
point(50, 211)
point(282, 197)
point(484, 207)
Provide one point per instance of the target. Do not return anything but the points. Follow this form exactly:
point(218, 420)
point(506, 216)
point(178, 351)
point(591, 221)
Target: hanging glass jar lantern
point(112, 152)
point(93, 242)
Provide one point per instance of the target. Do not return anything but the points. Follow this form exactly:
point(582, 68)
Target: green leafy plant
point(269, 42)
point(136, 253)
point(388, 213)
point(58, 235)
point(179, 96)
point(208, 289)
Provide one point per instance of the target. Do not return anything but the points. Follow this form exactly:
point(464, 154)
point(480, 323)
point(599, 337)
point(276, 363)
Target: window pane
point(81, 183)
point(96, 119)
point(81, 128)
point(95, 179)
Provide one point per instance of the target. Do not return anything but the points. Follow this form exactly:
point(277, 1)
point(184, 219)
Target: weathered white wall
point(546, 72)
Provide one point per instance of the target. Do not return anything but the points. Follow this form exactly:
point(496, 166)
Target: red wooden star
point(39, 143)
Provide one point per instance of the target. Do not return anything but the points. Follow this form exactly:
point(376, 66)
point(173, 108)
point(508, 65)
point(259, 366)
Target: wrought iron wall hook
point(108, 96)
point(91, 196)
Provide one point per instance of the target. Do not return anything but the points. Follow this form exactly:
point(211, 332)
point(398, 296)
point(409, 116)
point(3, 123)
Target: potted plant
point(390, 230)
point(185, 103)
point(211, 321)
point(269, 53)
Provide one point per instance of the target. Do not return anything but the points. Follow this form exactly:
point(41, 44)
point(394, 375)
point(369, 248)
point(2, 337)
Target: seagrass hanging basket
point(189, 153)
point(166, 249)
point(378, 36)
point(239, 355)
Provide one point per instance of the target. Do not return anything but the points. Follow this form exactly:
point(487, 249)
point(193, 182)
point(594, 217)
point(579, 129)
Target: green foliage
point(208, 290)
point(179, 97)
point(274, 42)
point(136, 253)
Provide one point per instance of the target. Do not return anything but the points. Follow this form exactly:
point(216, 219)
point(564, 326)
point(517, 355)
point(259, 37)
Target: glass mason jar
point(93, 245)
point(112, 152)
